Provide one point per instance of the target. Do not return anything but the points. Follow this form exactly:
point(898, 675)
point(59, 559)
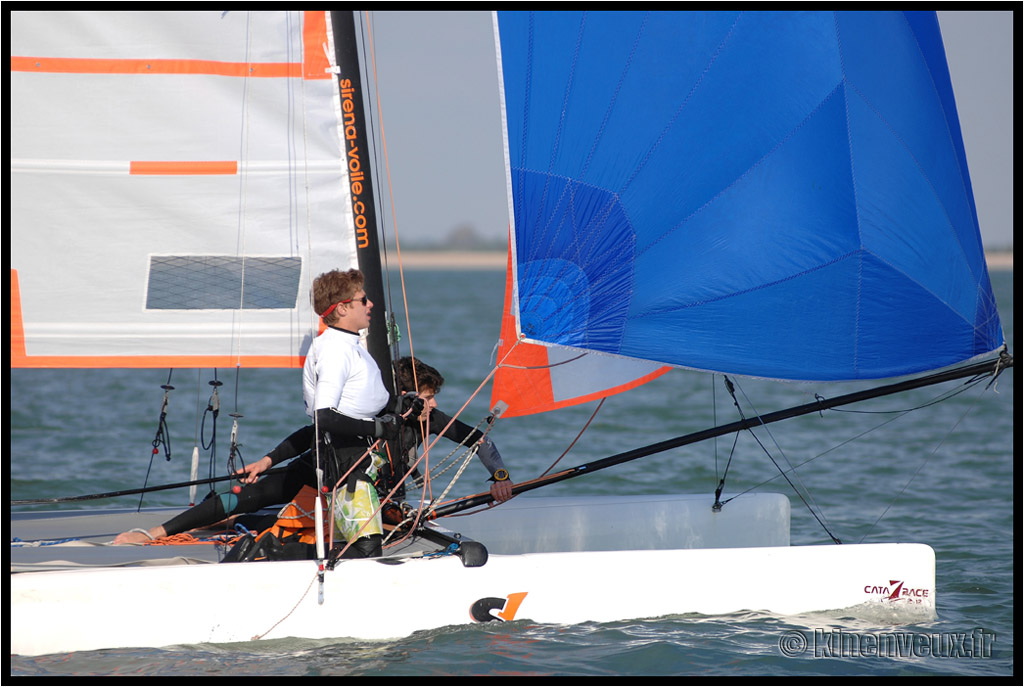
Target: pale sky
point(439, 100)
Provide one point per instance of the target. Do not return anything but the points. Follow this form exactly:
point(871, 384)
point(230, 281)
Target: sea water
point(941, 474)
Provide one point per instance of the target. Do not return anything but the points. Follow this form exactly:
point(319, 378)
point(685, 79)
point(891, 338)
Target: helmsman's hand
point(252, 471)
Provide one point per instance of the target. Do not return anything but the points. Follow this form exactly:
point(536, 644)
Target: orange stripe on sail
point(17, 325)
point(185, 167)
point(89, 65)
point(314, 38)
point(149, 361)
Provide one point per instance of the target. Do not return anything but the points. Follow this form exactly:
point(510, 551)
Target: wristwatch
point(500, 475)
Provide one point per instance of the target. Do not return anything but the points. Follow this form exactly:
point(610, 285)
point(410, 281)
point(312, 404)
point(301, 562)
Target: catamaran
point(767, 194)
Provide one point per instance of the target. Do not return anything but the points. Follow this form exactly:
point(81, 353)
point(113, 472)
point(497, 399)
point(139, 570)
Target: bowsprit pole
point(993, 367)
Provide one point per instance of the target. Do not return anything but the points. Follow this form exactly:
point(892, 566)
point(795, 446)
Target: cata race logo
point(898, 592)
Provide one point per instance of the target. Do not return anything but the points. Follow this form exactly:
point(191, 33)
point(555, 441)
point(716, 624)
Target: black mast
point(361, 188)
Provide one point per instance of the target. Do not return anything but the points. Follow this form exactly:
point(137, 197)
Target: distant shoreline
point(449, 259)
point(495, 260)
point(1000, 260)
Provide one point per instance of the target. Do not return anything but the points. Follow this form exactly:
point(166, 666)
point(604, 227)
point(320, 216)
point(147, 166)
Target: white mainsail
point(176, 183)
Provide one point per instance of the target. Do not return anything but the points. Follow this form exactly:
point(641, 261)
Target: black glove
point(387, 426)
point(411, 401)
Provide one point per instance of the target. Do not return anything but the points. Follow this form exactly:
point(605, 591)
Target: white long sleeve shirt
point(341, 374)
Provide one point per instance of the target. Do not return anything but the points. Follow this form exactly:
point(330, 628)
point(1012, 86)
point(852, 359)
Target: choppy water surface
point(941, 475)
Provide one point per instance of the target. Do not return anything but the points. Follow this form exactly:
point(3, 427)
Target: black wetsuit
point(349, 439)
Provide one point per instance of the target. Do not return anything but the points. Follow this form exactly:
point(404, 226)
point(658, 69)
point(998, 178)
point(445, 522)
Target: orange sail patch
point(523, 380)
point(88, 65)
point(170, 167)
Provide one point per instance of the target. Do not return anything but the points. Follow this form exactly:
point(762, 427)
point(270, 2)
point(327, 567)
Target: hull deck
point(612, 559)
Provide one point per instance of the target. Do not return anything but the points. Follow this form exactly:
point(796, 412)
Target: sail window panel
point(214, 282)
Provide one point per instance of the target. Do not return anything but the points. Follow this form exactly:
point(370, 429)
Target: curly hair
point(333, 287)
point(426, 376)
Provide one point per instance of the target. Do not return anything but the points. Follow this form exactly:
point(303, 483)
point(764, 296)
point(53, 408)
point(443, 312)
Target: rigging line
point(967, 411)
point(131, 492)
point(334, 557)
point(391, 195)
point(427, 493)
point(243, 188)
point(162, 436)
point(717, 506)
point(729, 385)
point(314, 319)
point(212, 408)
point(379, 157)
point(714, 417)
point(315, 577)
point(238, 376)
point(898, 414)
point(447, 463)
point(427, 505)
point(424, 490)
point(441, 468)
point(428, 445)
point(573, 443)
point(795, 490)
point(196, 439)
point(774, 441)
point(543, 367)
point(437, 437)
point(941, 398)
point(197, 436)
point(472, 396)
point(694, 437)
point(458, 473)
point(732, 452)
point(823, 453)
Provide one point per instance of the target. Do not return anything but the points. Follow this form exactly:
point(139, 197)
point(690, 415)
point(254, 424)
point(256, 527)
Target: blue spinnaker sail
point(774, 194)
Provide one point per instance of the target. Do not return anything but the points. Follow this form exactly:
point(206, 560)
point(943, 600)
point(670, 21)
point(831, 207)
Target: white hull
point(83, 609)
